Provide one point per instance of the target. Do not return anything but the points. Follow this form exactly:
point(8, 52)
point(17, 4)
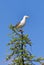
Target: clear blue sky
point(12, 11)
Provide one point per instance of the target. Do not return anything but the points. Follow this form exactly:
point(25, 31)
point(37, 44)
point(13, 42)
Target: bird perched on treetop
point(22, 22)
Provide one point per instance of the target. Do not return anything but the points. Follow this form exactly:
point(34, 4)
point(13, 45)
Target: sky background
point(11, 12)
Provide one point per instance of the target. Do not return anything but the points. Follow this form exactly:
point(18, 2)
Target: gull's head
point(26, 16)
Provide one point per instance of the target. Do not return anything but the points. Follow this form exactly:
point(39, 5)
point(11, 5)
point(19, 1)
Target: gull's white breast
point(22, 23)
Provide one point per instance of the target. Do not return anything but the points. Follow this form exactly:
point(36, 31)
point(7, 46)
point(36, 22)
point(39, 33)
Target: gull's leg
point(21, 30)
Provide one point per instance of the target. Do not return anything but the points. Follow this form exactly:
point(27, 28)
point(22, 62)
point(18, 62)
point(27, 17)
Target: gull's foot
point(20, 30)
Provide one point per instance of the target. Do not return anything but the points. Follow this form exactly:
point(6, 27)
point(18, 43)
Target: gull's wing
point(17, 24)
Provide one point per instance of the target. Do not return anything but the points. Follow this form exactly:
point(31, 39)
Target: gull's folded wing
point(17, 24)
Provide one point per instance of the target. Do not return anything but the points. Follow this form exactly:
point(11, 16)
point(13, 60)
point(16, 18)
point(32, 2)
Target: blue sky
point(12, 11)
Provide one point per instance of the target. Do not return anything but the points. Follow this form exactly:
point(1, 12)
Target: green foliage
point(39, 59)
point(20, 55)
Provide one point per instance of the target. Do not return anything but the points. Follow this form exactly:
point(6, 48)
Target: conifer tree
point(18, 46)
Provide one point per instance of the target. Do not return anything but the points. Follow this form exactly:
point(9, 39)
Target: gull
point(22, 22)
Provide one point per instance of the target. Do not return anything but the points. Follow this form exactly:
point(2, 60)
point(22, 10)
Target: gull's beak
point(28, 17)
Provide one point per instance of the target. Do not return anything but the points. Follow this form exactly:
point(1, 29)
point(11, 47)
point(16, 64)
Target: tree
point(20, 54)
point(42, 63)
